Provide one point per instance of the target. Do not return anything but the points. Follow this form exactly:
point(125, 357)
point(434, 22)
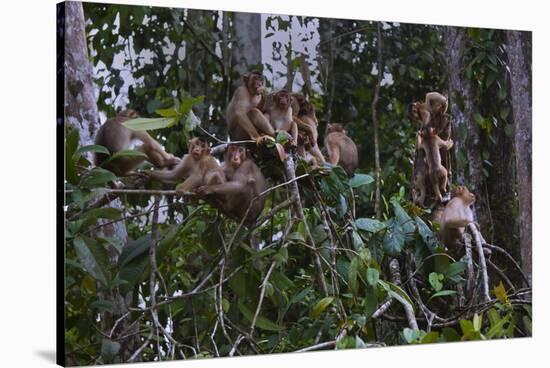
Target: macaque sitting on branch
point(278, 110)
point(197, 167)
point(114, 136)
point(431, 144)
point(455, 217)
point(244, 119)
point(422, 111)
point(341, 148)
point(244, 182)
point(307, 122)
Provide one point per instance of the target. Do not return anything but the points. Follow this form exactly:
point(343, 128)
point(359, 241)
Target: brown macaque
point(431, 144)
point(197, 167)
point(304, 147)
point(244, 118)
point(455, 217)
point(278, 110)
point(420, 174)
point(114, 136)
point(340, 148)
point(422, 111)
point(244, 181)
point(307, 122)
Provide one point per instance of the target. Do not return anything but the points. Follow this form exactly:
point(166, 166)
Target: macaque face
point(254, 83)
point(198, 148)
point(283, 99)
point(413, 110)
point(236, 155)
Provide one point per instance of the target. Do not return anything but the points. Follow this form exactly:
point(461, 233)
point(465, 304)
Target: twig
point(396, 279)
point(467, 239)
point(514, 262)
point(140, 349)
point(262, 293)
point(501, 274)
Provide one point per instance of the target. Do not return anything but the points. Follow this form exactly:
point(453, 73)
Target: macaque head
point(283, 99)
point(303, 139)
point(335, 127)
point(254, 82)
point(308, 109)
point(235, 155)
point(414, 110)
point(129, 113)
point(198, 148)
point(463, 192)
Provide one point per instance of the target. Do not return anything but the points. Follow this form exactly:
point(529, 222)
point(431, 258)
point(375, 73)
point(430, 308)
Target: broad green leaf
point(167, 113)
point(450, 334)
point(89, 261)
point(396, 292)
point(109, 349)
point(500, 293)
point(497, 329)
point(372, 276)
point(435, 281)
point(261, 322)
point(454, 269)
point(90, 148)
point(127, 153)
point(71, 144)
point(478, 319)
point(394, 238)
point(430, 338)
point(191, 121)
point(426, 234)
point(347, 342)
point(321, 306)
point(91, 216)
point(96, 177)
point(359, 180)
point(140, 124)
point(370, 225)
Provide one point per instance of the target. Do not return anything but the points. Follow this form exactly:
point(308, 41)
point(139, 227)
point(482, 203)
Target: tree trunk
point(81, 113)
point(519, 60)
point(247, 48)
point(469, 162)
point(380, 67)
point(80, 98)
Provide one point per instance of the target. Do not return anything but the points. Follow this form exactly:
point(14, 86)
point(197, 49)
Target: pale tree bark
point(81, 112)
point(247, 48)
point(462, 109)
point(519, 60)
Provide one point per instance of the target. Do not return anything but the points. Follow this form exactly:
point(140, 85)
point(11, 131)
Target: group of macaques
point(234, 185)
point(431, 169)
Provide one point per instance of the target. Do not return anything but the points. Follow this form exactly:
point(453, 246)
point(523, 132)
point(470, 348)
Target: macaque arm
point(334, 155)
point(191, 183)
point(178, 173)
point(294, 133)
point(435, 97)
point(304, 126)
point(260, 122)
point(230, 187)
point(316, 153)
point(246, 124)
point(448, 144)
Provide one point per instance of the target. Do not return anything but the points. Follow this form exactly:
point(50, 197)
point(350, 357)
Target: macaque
point(244, 182)
point(304, 147)
point(341, 149)
point(278, 110)
point(114, 136)
point(420, 174)
point(422, 111)
point(307, 122)
point(431, 144)
point(455, 217)
point(197, 167)
point(244, 119)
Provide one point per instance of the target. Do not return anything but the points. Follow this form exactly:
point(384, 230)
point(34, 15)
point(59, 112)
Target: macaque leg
point(213, 178)
point(229, 187)
point(294, 133)
point(259, 123)
point(189, 184)
point(316, 152)
point(155, 152)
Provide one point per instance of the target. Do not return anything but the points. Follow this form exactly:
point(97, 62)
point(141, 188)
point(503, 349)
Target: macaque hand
point(203, 191)
point(264, 139)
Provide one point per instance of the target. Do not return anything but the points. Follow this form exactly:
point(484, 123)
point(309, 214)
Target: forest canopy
point(335, 258)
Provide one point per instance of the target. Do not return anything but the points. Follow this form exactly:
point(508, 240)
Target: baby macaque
point(197, 167)
point(455, 217)
point(278, 110)
point(431, 145)
point(341, 148)
point(114, 136)
point(420, 180)
point(307, 122)
point(244, 182)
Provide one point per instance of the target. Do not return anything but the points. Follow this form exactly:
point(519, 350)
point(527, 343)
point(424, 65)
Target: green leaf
point(167, 113)
point(140, 124)
point(372, 276)
point(434, 279)
point(497, 328)
point(394, 238)
point(426, 234)
point(359, 180)
point(109, 349)
point(477, 321)
point(127, 153)
point(454, 269)
point(369, 225)
point(430, 338)
point(90, 148)
point(96, 177)
point(71, 143)
point(443, 293)
point(89, 261)
point(191, 121)
point(261, 322)
point(102, 305)
point(396, 292)
point(450, 334)
point(321, 306)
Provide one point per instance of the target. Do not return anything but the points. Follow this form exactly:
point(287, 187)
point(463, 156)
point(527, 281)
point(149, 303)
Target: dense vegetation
point(150, 277)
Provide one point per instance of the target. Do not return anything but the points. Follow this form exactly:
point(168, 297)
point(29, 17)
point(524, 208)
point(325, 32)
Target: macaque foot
point(264, 139)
